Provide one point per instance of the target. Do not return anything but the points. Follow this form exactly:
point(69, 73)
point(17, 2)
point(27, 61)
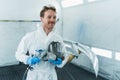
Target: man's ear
point(41, 19)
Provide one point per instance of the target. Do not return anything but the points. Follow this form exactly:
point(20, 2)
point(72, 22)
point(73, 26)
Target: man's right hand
point(33, 60)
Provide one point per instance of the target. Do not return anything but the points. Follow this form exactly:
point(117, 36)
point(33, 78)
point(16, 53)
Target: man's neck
point(47, 31)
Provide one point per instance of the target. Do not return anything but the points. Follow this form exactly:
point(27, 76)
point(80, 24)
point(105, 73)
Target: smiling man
point(36, 41)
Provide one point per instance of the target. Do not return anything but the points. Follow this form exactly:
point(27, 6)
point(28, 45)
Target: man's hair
point(45, 8)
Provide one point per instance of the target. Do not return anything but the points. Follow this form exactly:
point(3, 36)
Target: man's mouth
point(52, 23)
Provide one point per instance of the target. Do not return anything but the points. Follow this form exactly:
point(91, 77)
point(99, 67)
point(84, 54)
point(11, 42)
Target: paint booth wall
point(95, 24)
point(10, 36)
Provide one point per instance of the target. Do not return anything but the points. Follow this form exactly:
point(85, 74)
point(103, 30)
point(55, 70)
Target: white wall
point(95, 24)
point(10, 35)
point(12, 32)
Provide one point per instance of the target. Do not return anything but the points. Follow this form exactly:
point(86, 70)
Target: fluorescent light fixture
point(117, 55)
point(68, 3)
point(91, 0)
point(102, 52)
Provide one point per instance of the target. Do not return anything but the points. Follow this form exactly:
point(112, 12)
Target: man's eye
point(49, 17)
point(55, 17)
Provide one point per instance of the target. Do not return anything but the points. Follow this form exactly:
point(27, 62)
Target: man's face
point(49, 19)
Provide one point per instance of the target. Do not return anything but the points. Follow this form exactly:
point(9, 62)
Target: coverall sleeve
point(22, 50)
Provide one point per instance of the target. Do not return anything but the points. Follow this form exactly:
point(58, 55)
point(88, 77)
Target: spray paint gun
point(40, 53)
point(44, 55)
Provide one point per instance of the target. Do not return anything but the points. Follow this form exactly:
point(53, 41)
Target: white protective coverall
point(37, 40)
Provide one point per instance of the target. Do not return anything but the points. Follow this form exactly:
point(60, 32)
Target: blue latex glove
point(58, 61)
point(33, 60)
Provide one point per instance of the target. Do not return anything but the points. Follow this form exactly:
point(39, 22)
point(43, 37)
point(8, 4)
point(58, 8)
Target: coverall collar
point(41, 30)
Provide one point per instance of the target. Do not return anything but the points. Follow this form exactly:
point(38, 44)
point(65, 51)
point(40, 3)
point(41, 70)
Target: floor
point(69, 72)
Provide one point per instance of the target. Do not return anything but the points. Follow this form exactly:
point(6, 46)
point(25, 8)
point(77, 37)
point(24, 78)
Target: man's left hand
point(58, 61)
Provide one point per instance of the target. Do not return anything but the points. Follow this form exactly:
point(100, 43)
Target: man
point(38, 40)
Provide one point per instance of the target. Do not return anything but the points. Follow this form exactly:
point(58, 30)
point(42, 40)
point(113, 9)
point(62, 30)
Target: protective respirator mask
point(54, 51)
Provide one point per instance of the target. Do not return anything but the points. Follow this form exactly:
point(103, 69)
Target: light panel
point(68, 3)
point(117, 55)
point(102, 52)
point(92, 0)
